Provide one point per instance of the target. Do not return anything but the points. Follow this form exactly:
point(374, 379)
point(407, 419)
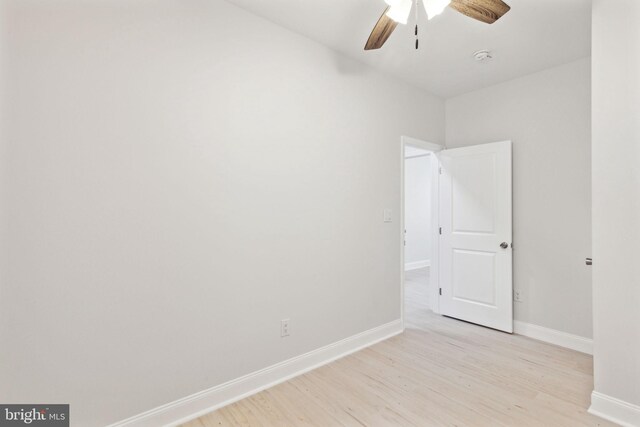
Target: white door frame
point(434, 300)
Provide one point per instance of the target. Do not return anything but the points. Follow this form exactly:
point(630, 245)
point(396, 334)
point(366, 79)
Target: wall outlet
point(518, 295)
point(284, 328)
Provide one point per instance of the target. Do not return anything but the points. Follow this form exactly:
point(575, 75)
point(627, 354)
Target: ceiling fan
point(398, 11)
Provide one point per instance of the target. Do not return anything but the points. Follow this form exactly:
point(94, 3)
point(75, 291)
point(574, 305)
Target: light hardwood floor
point(440, 372)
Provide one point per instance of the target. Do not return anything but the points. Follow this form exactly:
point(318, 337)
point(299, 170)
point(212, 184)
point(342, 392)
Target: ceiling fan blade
point(488, 11)
point(381, 32)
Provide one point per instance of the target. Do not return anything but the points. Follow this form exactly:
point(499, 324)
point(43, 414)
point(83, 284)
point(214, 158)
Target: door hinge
point(440, 291)
point(440, 230)
point(440, 170)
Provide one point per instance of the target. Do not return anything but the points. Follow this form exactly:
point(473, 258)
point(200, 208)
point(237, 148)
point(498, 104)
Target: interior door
point(475, 240)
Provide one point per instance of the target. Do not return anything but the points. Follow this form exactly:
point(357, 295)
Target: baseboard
point(190, 407)
point(552, 336)
point(416, 265)
point(618, 411)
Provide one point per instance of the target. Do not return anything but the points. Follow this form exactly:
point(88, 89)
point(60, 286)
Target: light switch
point(387, 215)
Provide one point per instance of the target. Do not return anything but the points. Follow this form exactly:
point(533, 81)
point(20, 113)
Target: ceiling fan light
point(400, 11)
point(435, 7)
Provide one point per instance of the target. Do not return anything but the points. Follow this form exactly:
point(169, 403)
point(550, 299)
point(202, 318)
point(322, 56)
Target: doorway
point(456, 257)
point(419, 230)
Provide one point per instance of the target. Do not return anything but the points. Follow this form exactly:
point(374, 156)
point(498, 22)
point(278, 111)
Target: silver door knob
point(504, 245)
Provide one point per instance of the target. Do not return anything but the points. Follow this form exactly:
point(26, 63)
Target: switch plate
point(387, 215)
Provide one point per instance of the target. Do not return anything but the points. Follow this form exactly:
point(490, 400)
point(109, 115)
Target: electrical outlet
point(518, 295)
point(284, 328)
point(386, 214)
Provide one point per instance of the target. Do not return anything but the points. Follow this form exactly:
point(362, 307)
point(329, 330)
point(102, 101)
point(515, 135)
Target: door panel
point(475, 216)
point(474, 277)
point(473, 194)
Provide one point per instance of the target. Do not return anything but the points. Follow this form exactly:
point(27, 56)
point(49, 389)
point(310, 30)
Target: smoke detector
point(482, 56)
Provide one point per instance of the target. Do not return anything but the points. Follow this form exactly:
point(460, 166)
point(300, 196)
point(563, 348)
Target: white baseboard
point(552, 336)
point(615, 410)
point(416, 265)
point(198, 404)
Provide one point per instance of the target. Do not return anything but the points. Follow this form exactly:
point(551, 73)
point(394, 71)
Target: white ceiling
point(534, 35)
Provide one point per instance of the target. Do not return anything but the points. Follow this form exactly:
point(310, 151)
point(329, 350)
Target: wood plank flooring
point(440, 372)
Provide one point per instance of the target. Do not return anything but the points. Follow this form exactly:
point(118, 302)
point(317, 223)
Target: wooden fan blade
point(381, 32)
point(488, 11)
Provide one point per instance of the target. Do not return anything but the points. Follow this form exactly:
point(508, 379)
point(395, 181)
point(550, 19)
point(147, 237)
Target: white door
point(475, 241)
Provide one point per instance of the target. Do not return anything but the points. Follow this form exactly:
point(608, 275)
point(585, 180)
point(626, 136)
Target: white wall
point(181, 176)
point(616, 204)
point(547, 116)
point(417, 211)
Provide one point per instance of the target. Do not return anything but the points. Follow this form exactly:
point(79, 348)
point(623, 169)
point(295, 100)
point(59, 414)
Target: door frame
point(434, 300)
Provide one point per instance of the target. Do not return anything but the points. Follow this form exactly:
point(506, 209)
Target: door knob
point(504, 245)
